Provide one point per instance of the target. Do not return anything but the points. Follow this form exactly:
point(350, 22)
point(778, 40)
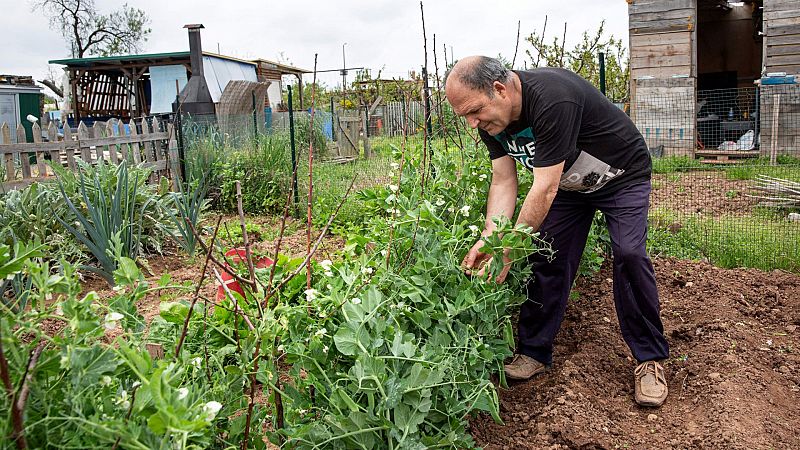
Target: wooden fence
point(25, 163)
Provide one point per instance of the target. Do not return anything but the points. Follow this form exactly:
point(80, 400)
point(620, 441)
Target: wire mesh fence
point(718, 211)
point(721, 159)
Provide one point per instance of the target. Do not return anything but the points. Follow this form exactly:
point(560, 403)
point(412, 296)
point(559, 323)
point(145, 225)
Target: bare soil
point(734, 370)
point(702, 192)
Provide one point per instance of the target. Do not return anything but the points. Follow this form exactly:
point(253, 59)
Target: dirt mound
point(734, 371)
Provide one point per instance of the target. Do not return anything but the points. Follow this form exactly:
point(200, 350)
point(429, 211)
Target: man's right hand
point(475, 259)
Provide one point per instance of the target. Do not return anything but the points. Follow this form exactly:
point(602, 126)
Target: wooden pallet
point(726, 156)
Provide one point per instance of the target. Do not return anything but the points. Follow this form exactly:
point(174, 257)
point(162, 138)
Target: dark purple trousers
point(635, 294)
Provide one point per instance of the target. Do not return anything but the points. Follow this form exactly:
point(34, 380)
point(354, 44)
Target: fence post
point(602, 57)
point(333, 119)
point(291, 144)
point(178, 134)
point(255, 121)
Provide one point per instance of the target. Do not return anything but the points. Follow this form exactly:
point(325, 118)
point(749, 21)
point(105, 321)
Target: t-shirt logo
point(520, 146)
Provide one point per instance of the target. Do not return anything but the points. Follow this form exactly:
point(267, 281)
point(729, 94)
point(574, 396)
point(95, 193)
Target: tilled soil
point(705, 193)
point(734, 370)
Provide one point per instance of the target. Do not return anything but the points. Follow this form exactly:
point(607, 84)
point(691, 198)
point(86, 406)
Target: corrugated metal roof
point(280, 67)
point(86, 62)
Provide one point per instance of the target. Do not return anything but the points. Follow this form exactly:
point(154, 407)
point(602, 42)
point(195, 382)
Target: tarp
point(219, 71)
point(162, 86)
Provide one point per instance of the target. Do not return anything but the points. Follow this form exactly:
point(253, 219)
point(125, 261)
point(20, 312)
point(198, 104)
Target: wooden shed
point(709, 73)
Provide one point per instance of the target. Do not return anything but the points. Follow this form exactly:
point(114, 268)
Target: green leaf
point(87, 365)
point(127, 272)
point(174, 312)
point(350, 339)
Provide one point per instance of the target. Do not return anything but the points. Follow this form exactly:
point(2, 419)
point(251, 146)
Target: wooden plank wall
point(782, 30)
point(26, 162)
point(663, 70)
point(780, 105)
point(780, 120)
point(664, 112)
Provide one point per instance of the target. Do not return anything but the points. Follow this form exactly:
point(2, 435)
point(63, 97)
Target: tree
point(91, 33)
point(583, 59)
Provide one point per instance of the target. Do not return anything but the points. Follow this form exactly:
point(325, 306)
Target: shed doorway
point(729, 60)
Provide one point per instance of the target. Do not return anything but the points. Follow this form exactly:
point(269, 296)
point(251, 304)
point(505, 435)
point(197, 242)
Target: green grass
point(676, 164)
point(751, 171)
point(757, 242)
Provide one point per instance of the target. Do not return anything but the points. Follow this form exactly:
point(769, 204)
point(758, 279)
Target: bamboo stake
point(197, 288)
point(311, 173)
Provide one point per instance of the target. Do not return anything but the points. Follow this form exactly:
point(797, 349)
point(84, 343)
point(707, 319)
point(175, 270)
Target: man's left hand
point(501, 277)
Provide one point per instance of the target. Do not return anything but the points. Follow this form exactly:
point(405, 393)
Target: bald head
point(478, 73)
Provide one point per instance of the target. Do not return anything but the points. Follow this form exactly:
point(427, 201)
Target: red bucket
point(237, 255)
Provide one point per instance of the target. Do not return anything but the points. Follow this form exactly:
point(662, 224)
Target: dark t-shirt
point(565, 118)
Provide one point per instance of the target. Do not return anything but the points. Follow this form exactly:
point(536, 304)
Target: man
point(586, 155)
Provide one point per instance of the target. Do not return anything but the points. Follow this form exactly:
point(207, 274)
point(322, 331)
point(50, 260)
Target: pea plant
point(390, 345)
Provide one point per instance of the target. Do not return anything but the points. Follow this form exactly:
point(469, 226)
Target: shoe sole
point(650, 403)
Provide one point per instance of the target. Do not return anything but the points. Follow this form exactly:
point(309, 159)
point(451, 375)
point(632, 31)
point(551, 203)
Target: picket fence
point(26, 162)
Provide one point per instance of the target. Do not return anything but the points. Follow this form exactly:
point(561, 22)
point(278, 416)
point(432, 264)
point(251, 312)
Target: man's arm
point(539, 199)
point(502, 199)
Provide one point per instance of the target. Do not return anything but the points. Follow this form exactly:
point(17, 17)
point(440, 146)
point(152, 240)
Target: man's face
point(491, 114)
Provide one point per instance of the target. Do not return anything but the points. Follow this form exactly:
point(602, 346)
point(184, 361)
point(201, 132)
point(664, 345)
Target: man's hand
point(475, 259)
point(478, 261)
point(501, 277)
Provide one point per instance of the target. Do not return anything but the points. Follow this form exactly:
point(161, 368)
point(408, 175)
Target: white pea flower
point(440, 202)
point(280, 348)
point(356, 301)
point(182, 393)
point(196, 362)
point(328, 273)
point(450, 209)
point(211, 409)
point(122, 399)
point(136, 384)
point(105, 380)
point(393, 187)
point(464, 210)
point(394, 166)
point(321, 332)
point(111, 320)
point(325, 349)
point(474, 230)
point(302, 412)
point(311, 294)
point(329, 287)
point(483, 177)
point(366, 270)
point(383, 252)
point(326, 264)
point(474, 173)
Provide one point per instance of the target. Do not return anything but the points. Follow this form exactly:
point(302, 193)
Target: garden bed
point(733, 372)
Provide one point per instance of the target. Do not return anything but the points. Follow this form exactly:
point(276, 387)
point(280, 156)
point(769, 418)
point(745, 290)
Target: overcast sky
point(379, 34)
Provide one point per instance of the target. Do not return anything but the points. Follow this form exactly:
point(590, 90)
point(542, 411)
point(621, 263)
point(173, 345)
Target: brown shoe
point(523, 367)
point(650, 384)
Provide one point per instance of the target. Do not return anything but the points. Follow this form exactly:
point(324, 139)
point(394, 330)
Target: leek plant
point(111, 226)
point(184, 210)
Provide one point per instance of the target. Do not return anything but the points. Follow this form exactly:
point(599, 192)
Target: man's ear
point(500, 89)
